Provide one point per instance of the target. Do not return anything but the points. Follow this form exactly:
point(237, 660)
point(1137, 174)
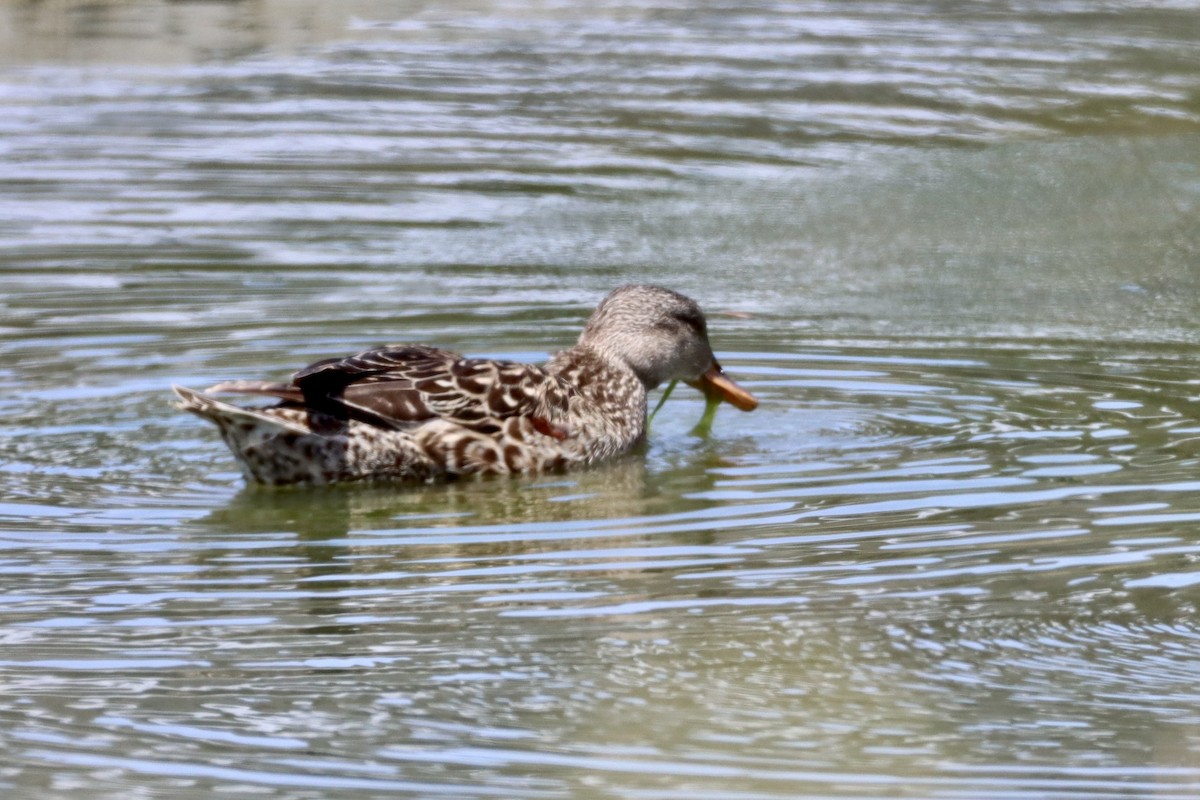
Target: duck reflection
point(317, 514)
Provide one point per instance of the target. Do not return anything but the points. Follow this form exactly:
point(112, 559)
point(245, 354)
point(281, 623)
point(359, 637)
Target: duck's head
point(662, 336)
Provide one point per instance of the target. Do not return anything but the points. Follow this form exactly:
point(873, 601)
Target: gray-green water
point(951, 246)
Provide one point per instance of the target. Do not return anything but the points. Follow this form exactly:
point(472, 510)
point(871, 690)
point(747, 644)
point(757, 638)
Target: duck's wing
point(398, 385)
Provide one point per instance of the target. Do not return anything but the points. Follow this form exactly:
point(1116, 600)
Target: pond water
point(952, 247)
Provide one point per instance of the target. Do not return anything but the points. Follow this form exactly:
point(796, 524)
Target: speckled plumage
point(417, 413)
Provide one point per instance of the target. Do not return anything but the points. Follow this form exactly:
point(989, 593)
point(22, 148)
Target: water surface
point(951, 247)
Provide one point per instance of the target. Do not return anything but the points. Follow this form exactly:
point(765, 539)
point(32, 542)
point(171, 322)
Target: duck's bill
point(715, 383)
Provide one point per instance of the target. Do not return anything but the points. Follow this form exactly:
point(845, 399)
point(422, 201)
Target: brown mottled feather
point(397, 385)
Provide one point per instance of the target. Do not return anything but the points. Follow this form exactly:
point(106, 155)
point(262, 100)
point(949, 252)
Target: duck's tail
point(254, 425)
point(272, 445)
point(288, 444)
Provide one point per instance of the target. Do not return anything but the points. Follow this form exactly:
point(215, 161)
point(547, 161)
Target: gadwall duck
point(416, 413)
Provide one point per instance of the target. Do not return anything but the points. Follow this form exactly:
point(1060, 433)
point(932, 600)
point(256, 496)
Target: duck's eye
point(693, 320)
point(682, 323)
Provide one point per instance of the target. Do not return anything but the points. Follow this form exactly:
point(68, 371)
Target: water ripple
point(951, 555)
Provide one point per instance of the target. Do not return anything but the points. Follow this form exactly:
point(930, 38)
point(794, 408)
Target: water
point(951, 247)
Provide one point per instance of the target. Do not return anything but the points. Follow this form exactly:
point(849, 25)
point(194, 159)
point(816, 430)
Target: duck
point(416, 413)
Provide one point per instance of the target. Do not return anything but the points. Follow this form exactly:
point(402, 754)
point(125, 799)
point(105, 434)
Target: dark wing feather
point(397, 385)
